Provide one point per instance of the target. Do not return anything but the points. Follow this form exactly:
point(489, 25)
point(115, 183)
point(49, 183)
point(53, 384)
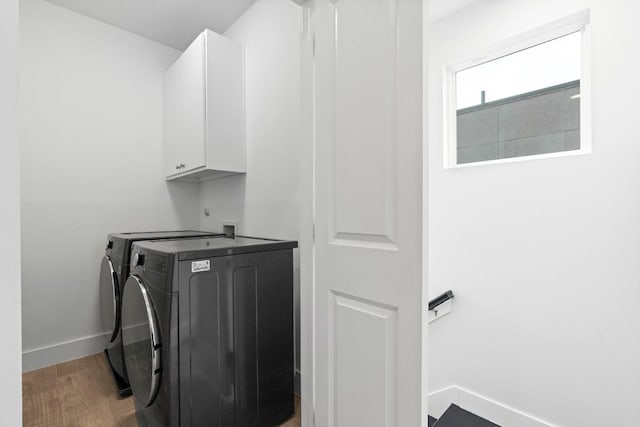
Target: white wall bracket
point(441, 310)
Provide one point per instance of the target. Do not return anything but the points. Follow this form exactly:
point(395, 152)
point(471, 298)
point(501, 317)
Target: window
point(526, 99)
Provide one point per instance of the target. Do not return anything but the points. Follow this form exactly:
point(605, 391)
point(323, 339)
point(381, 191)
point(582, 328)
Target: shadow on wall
point(184, 200)
point(225, 199)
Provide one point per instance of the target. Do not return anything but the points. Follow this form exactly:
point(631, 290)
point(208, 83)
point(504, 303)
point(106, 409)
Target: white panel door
point(367, 121)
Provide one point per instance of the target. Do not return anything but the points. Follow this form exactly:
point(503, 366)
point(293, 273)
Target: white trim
point(42, 357)
point(485, 407)
point(586, 140)
point(440, 400)
point(49, 355)
point(307, 218)
point(424, 363)
point(570, 24)
point(523, 158)
point(561, 27)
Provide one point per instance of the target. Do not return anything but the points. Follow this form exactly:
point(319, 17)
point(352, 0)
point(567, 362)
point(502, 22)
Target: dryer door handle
point(155, 343)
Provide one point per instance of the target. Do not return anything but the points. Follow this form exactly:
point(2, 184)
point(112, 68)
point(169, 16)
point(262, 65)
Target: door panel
point(367, 158)
point(363, 342)
point(361, 61)
point(236, 352)
point(207, 390)
point(245, 333)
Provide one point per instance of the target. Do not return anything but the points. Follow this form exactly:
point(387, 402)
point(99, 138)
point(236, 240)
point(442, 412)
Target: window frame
point(562, 27)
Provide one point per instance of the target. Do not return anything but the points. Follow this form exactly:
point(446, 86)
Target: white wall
point(91, 138)
point(543, 255)
point(265, 201)
point(11, 407)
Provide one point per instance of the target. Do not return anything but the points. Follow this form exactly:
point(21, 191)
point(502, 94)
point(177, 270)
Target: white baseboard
point(62, 352)
point(69, 350)
point(296, 383)
point(74, 349)
point(482, 406)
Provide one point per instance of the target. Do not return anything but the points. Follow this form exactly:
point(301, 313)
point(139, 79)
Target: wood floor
point(82, 393)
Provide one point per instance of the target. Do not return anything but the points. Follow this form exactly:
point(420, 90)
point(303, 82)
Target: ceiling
point(176, 23)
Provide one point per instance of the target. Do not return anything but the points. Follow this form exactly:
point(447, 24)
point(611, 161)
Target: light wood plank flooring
point(82, 393)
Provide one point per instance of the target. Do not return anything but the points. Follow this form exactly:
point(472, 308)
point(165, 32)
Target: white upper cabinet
point(204, 110)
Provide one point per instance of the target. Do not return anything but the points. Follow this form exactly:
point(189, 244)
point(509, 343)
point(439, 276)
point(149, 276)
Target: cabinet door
point(225, 103)
point(184, 111)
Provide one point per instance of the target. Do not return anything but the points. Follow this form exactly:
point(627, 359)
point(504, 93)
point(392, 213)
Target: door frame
point(307, 219)
point(425, 209)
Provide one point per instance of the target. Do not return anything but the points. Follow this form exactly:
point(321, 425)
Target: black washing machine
point(216, 344)
point(114, 271)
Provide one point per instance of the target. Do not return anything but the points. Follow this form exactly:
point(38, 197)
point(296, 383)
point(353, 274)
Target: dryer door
point(141, 341)
point(109, 298)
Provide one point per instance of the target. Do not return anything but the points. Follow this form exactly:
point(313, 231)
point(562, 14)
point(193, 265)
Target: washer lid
point(141, 341)
point(205, 247)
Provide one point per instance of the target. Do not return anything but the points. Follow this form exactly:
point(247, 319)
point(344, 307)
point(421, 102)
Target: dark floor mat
point(432, 421)
point(455, 416)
